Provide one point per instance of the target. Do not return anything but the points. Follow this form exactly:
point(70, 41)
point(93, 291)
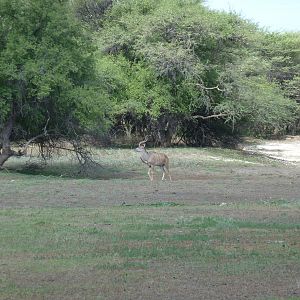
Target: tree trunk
point(5, 149)
point(166, 128)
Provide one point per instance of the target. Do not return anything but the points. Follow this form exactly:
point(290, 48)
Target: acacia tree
point(190, 70)
point(283, 52)
point(47, 75)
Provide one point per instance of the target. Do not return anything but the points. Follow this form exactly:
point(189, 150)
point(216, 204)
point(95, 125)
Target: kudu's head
point(141, 147)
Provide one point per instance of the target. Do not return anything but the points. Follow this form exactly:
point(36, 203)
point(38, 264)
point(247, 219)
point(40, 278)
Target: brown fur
point(153, 159)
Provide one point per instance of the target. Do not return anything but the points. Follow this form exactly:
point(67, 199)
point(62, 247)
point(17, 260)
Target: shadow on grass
point(70, 170)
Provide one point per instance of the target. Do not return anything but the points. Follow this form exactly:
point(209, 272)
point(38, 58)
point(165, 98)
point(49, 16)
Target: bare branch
point(210, 88)
point(45, 127)
point(217, 116)
point(24, 148)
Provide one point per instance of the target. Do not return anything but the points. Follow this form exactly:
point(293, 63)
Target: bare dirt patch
point(235, 185)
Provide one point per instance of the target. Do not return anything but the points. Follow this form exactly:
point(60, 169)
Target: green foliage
point(283, 51)
point(47, 68)
point(135, 88)
point(91, 12)
point(168, 68)
point(179, 59)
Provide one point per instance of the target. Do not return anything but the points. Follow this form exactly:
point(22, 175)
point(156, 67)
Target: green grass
point(63, 237)
point(55, 241)
point(115, 163)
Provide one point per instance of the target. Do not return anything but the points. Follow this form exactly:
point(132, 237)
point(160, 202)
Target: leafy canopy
point(47, 69)
point(181, 59)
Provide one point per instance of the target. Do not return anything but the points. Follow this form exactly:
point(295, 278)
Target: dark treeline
point(118, 70)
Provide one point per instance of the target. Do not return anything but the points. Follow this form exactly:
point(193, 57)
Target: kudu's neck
point(145, 155)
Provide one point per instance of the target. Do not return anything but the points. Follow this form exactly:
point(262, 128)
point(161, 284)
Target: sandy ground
point(287, 149)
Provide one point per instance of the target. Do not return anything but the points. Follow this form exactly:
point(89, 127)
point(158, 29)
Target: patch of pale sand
point(287, 149)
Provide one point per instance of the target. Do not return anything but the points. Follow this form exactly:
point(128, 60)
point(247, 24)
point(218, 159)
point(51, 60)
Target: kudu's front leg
point(150, 173)
point(164, 173)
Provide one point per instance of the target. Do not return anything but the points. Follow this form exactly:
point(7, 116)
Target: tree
point(283, 52)
point(47, 75)
point(91, 12)
point(206, 68)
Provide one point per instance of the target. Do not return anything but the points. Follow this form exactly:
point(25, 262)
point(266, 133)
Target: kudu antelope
point(153, 159)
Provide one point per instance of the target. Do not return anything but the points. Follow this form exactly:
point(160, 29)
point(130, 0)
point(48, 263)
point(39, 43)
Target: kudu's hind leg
point(166, 170)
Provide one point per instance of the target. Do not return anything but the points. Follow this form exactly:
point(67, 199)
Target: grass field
point(227, 227)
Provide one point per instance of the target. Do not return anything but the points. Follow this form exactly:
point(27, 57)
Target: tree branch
point(24, 148)
point(217, 116)
point(210, 88)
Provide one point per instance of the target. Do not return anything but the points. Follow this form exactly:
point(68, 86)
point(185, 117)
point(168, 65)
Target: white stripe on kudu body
point(153, 159)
